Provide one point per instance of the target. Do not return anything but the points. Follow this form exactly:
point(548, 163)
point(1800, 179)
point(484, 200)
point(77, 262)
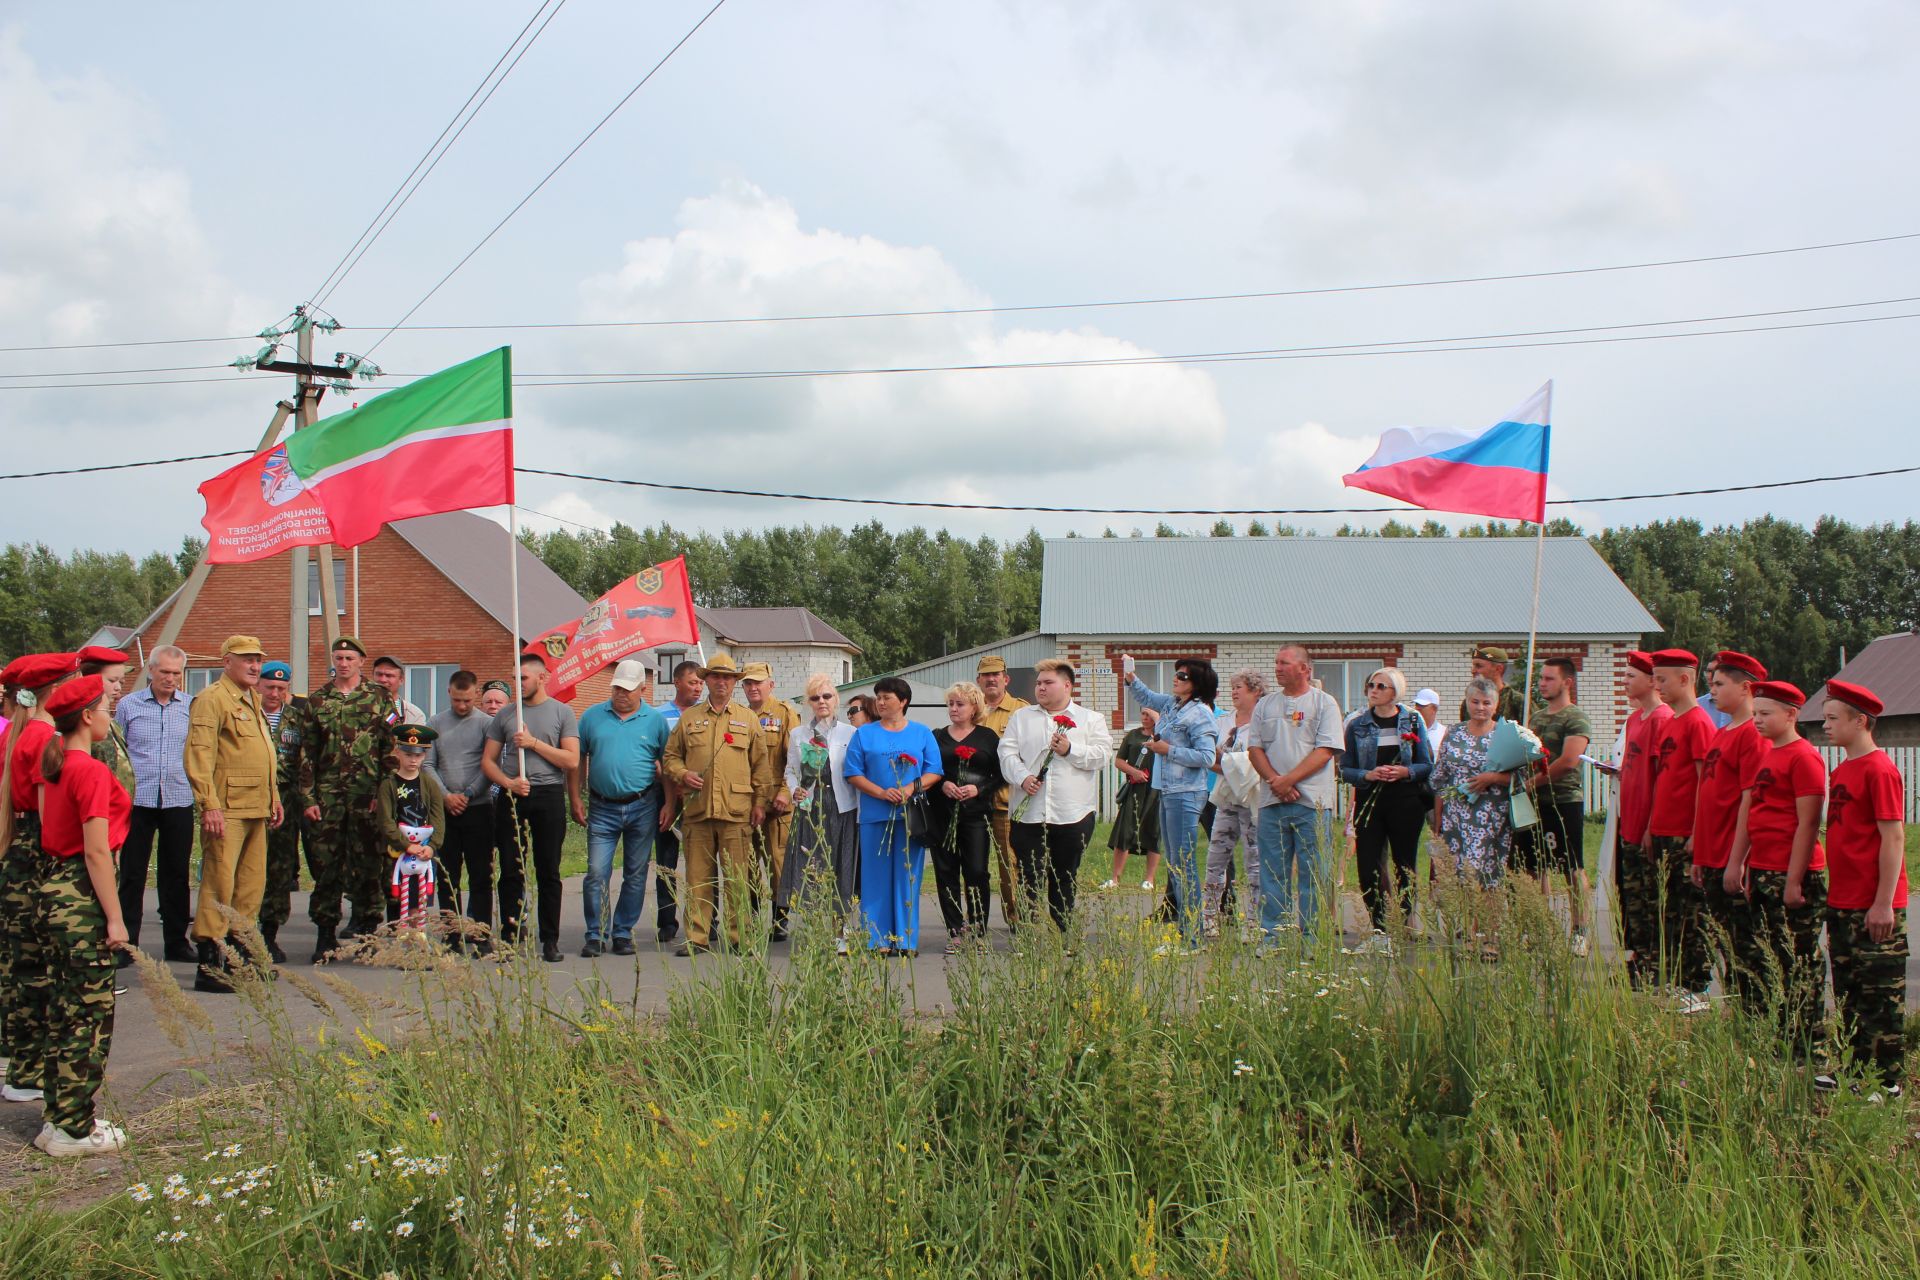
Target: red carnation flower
point(965, 753)
point(906, 757)
point(727, 738)
point(1410, 736)
point(1065, 722)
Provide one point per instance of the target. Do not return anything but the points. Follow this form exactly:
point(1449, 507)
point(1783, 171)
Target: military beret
point(1675, 658)
point(37, 670)
point(276, 671)
point(1640, 660)
point(414, 737)
point(1779, 691)
point(1857, 696)
point(74, 695)
point(100, 653)
point(1729, 660)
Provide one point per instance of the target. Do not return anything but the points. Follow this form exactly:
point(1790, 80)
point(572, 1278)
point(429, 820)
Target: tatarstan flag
point(444, 443)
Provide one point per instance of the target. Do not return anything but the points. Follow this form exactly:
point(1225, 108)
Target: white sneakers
point(1579, 944)
point(1147, 885)
point(1109, 884)
point(105, 1139)
point(12, 1094)
point(1687, 1003)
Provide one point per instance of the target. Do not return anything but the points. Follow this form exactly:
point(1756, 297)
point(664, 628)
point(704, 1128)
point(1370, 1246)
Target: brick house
point(1419, 604)
point(431, 591)
point(796, 643)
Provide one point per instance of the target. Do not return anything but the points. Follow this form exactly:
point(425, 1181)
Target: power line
point(716, 491)
point(639, 85)
point(1043, 306)
point(344, 268)
point(108, 373)
point(1403, 347)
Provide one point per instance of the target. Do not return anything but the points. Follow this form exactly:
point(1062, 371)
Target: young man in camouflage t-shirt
point(1559, 842)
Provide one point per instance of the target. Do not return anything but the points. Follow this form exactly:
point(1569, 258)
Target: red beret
point(75, 694)
point(1857, 696)
point(1728, 660)
point(1640, 660)
point(37, 670)
point(100, 653)
point(1779, 691)
point(1674, 658)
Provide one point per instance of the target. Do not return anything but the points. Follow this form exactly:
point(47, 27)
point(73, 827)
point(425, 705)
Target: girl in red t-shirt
point(73, 921)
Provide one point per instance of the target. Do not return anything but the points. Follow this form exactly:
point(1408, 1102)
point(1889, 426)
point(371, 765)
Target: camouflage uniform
point(1870, 989)
point(1639, 883)
point(111, 751)
point(16, 910)
point(283, 843)
point(67, 995)
point(1777, 952)
point(345, 739)
point(1680, 953)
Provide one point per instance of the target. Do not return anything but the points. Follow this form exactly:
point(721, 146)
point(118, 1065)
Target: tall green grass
point(1103, 1113)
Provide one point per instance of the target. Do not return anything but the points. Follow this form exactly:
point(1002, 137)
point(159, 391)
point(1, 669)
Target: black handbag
point(919, 809)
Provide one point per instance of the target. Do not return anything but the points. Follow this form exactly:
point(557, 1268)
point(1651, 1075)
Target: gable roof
point(774, 626)
point(1890, 666)
point(1328, 585)
point(471, 551)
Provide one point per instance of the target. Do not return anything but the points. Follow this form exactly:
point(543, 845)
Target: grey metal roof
point(1018, 651)
point(1890, 667)
point(471, 551)
point(1330, 586)
point(779, 624)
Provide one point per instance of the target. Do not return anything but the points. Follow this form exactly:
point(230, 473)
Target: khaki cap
point(242, 645)
point(1492, 653)
point(720, 664)
point(756, 671)
point(348, 642)
point(991, 664)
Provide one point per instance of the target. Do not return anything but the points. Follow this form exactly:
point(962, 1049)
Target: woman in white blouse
point(825, 842)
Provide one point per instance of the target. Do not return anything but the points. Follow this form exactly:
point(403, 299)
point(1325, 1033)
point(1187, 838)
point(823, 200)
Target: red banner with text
point(653, 607)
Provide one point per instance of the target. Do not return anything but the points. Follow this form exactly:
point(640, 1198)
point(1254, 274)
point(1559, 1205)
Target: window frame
point(339, 587)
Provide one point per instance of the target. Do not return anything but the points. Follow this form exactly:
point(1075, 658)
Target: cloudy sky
point(162, 178)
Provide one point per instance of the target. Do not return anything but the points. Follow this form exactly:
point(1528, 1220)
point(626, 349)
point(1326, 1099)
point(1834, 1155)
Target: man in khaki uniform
point(718, 757)
point(992, 679)
point(231, 764)
point(777, 719)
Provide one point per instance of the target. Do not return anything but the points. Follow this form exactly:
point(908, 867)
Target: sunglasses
point(818, 697)
point(1181, 675)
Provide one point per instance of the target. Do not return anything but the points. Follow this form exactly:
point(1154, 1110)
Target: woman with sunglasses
point(1387, 761)
point(824, 848)
point(1183, 747)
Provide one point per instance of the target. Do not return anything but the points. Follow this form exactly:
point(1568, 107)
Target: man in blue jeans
point(1296, 737)
point(620, 744)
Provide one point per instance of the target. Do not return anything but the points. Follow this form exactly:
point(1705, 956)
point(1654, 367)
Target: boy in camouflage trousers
point(1867, 896)
point(284, 711)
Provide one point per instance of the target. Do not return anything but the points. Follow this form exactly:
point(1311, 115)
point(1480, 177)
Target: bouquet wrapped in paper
point(1514, 746)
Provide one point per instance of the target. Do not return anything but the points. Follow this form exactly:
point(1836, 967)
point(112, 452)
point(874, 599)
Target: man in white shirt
point(1052, 755)
point(1427, 703)
point(1295, 741)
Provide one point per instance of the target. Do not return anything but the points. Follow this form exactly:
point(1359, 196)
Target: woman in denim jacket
point(1183, 748)
point(1387, 762)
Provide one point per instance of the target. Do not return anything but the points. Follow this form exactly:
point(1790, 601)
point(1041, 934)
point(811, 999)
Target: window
point(664, 661)
point(1346, 680)
point(339, 586)
point(199, 678)
point(426, 687)
point(846, 671)
point(1157, 675)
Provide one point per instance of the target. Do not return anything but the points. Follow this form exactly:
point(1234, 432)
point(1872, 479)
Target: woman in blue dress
point(888, 761)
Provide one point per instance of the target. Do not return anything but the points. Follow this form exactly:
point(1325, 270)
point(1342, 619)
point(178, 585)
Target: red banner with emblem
point(653, 607)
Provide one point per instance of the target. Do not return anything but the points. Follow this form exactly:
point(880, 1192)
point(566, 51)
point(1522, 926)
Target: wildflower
point(231, 1151)
point(202, 1200)
point(266, 1211)
point(140, 1192)
point(358, 1224)
point(404, 1230)
point(176, 1237)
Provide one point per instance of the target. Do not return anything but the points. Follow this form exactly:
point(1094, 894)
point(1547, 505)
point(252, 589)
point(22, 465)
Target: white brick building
point(793, 641)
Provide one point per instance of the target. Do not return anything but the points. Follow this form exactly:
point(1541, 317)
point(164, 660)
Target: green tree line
point(1792, 595)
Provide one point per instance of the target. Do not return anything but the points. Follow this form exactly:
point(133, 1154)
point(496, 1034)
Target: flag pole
point(1539, 560)
point(513, 585)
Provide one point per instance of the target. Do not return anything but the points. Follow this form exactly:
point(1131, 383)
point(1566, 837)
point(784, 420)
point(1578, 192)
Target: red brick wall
point(407, 608)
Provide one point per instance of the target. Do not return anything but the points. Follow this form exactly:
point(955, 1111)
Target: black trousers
point(543, 815)
point(469, 848)
point(1394, 828)
point(666, 858)
point(1049, 858)
point(173, 828)
point(960, 874)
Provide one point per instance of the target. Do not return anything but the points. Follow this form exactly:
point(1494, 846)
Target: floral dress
point(1478, 829)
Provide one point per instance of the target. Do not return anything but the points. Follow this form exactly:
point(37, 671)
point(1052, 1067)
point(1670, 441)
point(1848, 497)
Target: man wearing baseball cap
point(231, 762)
point(991, 676)
point(281, 708)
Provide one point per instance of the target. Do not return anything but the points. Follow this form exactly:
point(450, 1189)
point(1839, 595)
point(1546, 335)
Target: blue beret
point(276, 671)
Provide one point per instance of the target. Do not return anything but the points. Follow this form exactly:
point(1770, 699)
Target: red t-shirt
point(1865, 792)
point(1681, 742)
point(1785, 775)
point(86, 789)
point(1636, 771)
point(1731, 760)
point(26, 764)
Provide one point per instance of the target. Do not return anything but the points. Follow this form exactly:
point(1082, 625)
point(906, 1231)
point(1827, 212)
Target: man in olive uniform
point(717, 756)
point(231, 763)
point(283, 710)
point(991, 676)
point(345, 734)
point(777, 718)
point(1491, 662)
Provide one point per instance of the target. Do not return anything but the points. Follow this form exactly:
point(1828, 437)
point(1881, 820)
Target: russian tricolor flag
point(1498, 471)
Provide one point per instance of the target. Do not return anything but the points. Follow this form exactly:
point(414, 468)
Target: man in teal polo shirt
point(620, 744)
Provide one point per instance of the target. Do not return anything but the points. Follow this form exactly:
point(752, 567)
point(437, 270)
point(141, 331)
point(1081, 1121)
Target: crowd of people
point(735, 804)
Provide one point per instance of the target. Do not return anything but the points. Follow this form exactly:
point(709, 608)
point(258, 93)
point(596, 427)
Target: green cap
point(348, 642)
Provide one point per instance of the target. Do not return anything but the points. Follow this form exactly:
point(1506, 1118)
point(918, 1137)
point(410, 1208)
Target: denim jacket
point(1363, 747)
point(1190, 732)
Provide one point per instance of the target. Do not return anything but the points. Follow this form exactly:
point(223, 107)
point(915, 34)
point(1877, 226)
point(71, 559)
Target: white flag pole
point(513, 585)
point(1539, 560)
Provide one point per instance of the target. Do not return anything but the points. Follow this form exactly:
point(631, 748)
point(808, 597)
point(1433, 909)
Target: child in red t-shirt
point(1867, 901)
point(1725, 774)
point(1777, 863)
point(74, 923)
point(1633, 870)
point(1679, 758)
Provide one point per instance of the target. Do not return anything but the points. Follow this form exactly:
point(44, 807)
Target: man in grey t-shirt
point(456, 757)
point(1295, 742)
point(545, 732)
